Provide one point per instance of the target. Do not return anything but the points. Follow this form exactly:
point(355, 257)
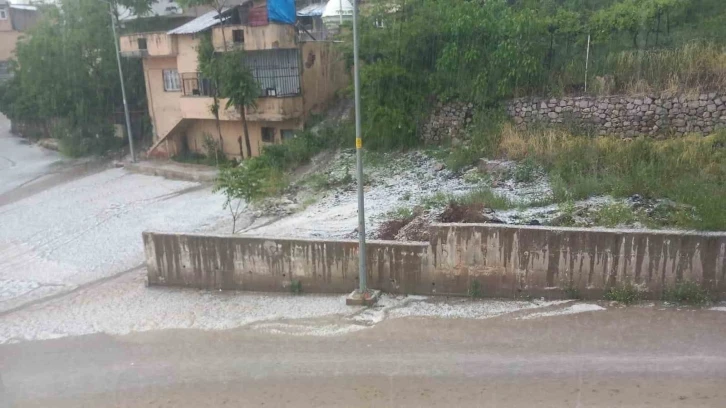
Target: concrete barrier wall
point(510, 261)
point(507, 261)
point(271, 264)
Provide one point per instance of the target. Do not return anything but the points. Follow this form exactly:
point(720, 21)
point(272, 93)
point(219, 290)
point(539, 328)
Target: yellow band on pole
point(358, 143)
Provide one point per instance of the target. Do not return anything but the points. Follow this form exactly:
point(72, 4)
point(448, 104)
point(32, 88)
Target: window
point(171, 80)
point(287, 134)
point(238, 36)
point(3, 13)
point(268, 135)
point(277, 71)
point(141, 42)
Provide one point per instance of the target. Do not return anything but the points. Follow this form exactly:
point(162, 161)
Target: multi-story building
point(296, 75)
point(14, 20)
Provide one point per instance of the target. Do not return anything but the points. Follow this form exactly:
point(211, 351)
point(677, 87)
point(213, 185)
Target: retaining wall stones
point(625, 116)
point(628, 116)
point(508, 261)
point(447, 122)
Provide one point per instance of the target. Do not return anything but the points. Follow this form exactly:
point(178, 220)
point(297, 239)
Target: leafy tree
point(239, 87)
point(240, 184)
point(208, 66)
point(66, 73)
point(627, 16)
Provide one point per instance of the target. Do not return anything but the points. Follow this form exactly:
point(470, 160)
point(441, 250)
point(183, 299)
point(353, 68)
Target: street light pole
point(123, 88)
point(363, 285)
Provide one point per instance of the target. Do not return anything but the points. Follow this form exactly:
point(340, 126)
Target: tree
point(209, 68)
point(627, 16)
point(239, 87)
point(243, 183)
point(66, 73)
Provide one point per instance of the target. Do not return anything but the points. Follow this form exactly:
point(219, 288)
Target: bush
point(87, 139)
point(686, 292)
point(265, 175)
point(626, 293)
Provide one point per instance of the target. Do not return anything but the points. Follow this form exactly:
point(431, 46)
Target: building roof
point(312, 10)
point(200, 23)
point(335, 8)
point(22, 7)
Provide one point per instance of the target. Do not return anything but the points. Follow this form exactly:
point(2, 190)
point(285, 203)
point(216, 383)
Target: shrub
point(625, 293)
point(686, 292)
point(88, 139)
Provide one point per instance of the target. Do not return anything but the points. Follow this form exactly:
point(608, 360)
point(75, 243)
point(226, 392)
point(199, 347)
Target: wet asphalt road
point(634, 357)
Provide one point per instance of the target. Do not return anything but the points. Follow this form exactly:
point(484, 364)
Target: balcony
point(254, 38)
point(276, 109)
point(138, 45)
point(267, 109)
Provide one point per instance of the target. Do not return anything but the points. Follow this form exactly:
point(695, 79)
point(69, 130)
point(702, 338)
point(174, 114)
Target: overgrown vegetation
point(267, 174)
point(626, 293)
point(686, 292)
point(484, 52)
point(690, 171)
point(65, 77)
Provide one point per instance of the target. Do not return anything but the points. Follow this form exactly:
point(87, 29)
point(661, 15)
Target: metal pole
point(359, 159)
point(587, 60)
point(340, 11)
point(123, 88)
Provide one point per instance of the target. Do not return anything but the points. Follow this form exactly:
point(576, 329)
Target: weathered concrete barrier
point(510, 261)
point(507, 261)
point(271, 264)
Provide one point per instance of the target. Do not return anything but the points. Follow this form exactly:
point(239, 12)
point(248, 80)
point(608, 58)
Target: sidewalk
point(173, 170)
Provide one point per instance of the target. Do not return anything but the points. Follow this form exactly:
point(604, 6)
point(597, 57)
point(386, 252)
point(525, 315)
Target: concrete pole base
point(368, 298)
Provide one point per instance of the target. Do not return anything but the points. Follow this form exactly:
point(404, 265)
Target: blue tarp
point(281, 11)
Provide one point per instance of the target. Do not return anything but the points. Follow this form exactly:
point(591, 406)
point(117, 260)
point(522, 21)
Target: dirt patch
point(389, 229)
point(416, 230)
point(463, 212)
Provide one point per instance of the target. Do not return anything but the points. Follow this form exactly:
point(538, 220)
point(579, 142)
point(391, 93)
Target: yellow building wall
point(164, 107)
point(267, 37)
point(7, 43)
point(233, 134)
point(187, 53)
point(157, 44)
point(7, 24)
point(323, 74)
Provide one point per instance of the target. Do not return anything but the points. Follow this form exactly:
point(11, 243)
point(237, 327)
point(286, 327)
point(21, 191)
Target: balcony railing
point(193, 84)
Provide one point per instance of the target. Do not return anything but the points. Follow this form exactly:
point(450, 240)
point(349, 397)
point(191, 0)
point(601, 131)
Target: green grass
point(487, 198)
point(686, 292)
point(437, 200)
point(615, 214)
point(690, 171)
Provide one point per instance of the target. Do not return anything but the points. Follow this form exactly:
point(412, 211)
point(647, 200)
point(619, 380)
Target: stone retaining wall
point(624, 116)
point(508, 261)
point(447, 122)
point(628, 116)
